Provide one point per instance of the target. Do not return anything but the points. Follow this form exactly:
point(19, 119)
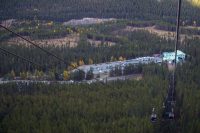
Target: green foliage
point(133, 69)
point(117, 71)
point(113, 107)
point(23, 75)
point(77, 75)
point(62, 10)
point(89, 75)
point(116, 107)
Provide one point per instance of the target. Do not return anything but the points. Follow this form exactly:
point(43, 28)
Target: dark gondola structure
point(153, 116)
point(170, 100)
point(169, 103)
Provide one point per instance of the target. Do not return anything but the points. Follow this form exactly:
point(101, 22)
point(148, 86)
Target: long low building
point(107, 67)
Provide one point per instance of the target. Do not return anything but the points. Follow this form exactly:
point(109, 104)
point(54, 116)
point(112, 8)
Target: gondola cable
point(169, 103)
point(36, 45)
point(18, 56)
point(46, 51)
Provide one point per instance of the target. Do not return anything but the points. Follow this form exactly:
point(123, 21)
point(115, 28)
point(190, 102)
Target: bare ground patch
point(161, 33)
point(70, 41)
point(100, 43)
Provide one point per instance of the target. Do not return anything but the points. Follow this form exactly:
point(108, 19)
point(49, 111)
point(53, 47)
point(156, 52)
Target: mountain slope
point(62, 10)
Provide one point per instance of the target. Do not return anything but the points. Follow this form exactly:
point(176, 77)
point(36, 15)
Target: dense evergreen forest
point(113, 107)
point(63, 10)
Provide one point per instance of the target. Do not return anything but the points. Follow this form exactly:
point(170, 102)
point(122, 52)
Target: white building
point(170, 56)
point(105, 68)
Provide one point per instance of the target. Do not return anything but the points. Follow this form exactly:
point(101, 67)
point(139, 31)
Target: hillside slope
point(62, 10)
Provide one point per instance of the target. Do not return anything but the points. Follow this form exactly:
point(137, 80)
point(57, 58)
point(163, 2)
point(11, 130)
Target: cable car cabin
point(153, 116)
point(168, 114)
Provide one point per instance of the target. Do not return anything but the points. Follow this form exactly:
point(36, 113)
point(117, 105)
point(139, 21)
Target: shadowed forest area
point(113, 107)
point(63, 10)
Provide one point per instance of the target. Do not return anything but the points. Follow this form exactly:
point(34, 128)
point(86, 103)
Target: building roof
point(178, 53)
point(106, 67)
point(170, 56)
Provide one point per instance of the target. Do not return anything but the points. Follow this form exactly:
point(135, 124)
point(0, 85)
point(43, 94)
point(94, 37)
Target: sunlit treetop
point(195, 3)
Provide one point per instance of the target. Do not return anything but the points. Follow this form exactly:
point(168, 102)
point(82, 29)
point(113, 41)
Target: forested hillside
point(63, 10)
point(114, 107)
point(97, 107)
point(118, 107)
point(128, 44)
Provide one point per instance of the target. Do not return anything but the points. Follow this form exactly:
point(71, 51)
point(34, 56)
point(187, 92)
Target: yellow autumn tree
point(74, 65)
point(113, 58)
point(65, 75)
point(81, 62)
point(23, 75)
point(90, 61)
point(121, 58)
point(12, 73)
point(50, 23)
point(69, 30)
point(195, 3)
point(38, 74)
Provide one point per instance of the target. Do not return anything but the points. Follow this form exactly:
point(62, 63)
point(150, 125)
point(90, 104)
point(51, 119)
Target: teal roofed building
point(170, 56)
